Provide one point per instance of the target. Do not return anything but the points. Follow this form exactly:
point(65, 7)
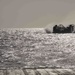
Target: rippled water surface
point(35, 48)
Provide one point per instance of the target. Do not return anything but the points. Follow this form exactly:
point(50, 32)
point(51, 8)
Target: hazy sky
point(35, 13)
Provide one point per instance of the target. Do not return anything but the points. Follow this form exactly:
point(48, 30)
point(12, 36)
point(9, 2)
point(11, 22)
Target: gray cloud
point(34, 13)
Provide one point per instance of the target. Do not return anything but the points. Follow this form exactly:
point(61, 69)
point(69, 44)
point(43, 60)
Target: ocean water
point(34, 48)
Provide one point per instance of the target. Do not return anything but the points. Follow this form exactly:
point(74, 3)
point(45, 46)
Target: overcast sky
point(35, 13)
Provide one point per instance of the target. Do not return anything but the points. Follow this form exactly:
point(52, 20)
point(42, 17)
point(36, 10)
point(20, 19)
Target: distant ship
point(62, 29)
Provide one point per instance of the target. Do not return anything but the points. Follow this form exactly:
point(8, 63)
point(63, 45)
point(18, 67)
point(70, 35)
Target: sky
point(36, 13)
